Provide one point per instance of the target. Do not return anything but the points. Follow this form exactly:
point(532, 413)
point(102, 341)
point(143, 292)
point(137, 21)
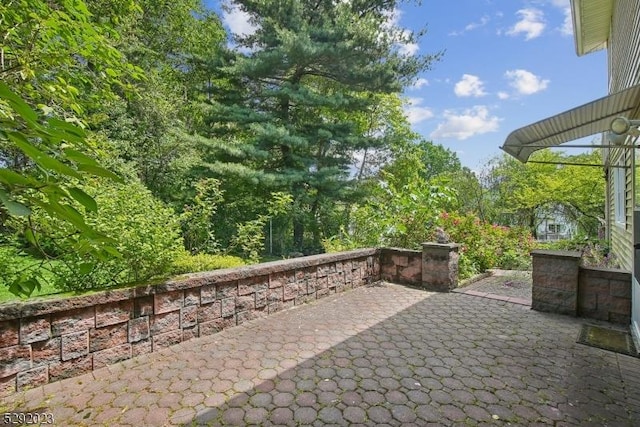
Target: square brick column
point(440, 266)
point(555, 281)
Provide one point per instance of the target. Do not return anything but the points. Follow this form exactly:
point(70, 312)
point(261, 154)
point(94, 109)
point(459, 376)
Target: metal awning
point(586, 120)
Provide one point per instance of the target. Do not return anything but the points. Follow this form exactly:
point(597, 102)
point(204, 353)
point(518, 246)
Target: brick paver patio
point(378, 355)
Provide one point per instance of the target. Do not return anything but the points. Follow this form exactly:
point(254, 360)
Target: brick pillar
point(555, 281)
point(440, 266)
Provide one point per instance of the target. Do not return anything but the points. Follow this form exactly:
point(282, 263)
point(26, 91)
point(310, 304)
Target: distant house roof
point(579, 122)
point(591, 24)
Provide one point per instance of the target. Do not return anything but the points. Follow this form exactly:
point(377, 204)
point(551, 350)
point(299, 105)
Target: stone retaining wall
point(44, 341)
point(562, 285)
point(402, 266)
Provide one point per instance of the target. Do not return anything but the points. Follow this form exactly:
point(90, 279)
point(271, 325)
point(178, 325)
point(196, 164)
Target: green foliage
point(595, 252)
point(145, 233)
point(485, 245)
point(22, 274)
point(197, 218)
point(249, 238)
point(187, 263)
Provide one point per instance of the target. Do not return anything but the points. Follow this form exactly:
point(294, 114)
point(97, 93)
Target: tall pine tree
point(293, 91)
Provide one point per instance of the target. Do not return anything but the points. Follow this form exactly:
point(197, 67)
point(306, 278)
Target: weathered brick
point(111, 355)
point(209, 312)
point(168, 301)
point(74, 345)
point(14, 359)
point(226, 290)
point(192, 296)
point(78, 320)
point(207, 294)
point(163, 323)
point(312, 285)
point(244, 303)
point(322, 282)
point(109, 336)
point(190, 333)
point(275, 295)
point(45, 352)
point(32, 378)
point(217, 325)
point(9, 333)
point(279, 279)
point(138, 329)
point(252, 284)
point(228, 306)
point(70, 368)
point(141, 347)
point(261, 298)
point(322, 292)
point(7, 385)
point(143, 306)
point(310, 272)
point(166, 340)
point(290, 291)
point(188, 316)
point(113, 313)
point(35, 329)
point(244, 316)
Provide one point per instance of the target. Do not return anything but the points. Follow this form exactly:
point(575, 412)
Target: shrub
point(187, 263)
point(144, 231)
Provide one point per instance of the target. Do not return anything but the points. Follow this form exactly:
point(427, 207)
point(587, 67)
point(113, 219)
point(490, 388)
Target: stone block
point(166, 340)
point(620, 305)
point(109, 336)
point(215, 326)
point(190, 333)
point(78, 320)
point(228, 306)
point(244, 316)
point(143, 306)
point(70, 368)
point(32, 378)
point(111, 355)
point(113, 313)
point(290, 291)
point(279, 279)
point(14, 359)
point(209, 312)
point(226, 290)
point(253, 284)
point(261, 298)
point(74, 345)
point(400, 260)
point(244, 303)
point(192, 296)
point(207, 294)
point(9, 333)
point(322, 282)
point(163, 323)
point(321, 293)
point(138, 329)
point(618, 288)
point(141, 347)
point(167, 301)
point(188, 316)
point(7, 385)
point(620, 319)
point(45, 352)
point(275, 295)
point(34, 329)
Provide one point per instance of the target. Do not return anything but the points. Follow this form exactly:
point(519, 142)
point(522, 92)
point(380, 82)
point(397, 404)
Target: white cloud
point(503, 95)
point(567, 26)
point(237, 20)
point(531, 23)
point(420, 83)
point(409, 49)
point(473, 121)
point(415, 112)
point(470, 85)
point(472, 26)
point(525, 82)
point(392, 24)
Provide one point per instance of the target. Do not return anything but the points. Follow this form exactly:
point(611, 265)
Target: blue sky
point(507, 63)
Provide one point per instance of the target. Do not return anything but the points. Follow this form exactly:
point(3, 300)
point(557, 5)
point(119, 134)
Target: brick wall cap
point(442, 246)
point(402, 251)
point(556, 254)
point(607, 272)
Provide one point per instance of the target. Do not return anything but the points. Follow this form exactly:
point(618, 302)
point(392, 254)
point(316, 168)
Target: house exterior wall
point(623, 51)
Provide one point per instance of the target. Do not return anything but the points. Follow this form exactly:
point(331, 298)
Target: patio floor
point(378, 355)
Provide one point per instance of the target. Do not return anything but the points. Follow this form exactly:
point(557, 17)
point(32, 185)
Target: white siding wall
point(623, 52)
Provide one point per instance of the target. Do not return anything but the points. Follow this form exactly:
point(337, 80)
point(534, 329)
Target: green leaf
point(42, 159)
point(80, 157)
point(11, 178)
point(30, 236)
point(18, 105)
point(100, 171)
point(14, 208)
point(84, 199)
